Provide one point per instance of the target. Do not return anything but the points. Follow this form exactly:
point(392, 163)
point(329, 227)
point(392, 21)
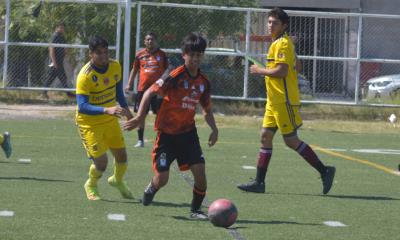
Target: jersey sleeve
point(205, 99)
point(82, 86)
point(282, 53)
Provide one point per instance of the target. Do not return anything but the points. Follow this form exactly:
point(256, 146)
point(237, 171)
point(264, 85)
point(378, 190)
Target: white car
point(383, 86)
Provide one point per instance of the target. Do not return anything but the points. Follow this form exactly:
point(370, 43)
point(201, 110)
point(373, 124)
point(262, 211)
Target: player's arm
point(280, 71)
point(121, 100)
point(86, 108)
point(210, 120)
point(141, 115)
point(132, 75)
point(52, 53)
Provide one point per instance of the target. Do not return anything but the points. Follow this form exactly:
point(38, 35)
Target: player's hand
point(128, 89)
point(115, 111)
point(131, 124)
point(213, 138)
point(254, 69)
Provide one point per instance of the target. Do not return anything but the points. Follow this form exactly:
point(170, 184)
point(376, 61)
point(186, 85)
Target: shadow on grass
point(130, 201)
point(169, 204)
point(353, 197)
point(34, 179)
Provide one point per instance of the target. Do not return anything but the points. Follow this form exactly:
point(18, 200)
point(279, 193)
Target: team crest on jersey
point(201, 88)
point(281, 55)
point(185, 84)
point(116, 78)
point(106, 81)
point(158, 58)
point(94, 78)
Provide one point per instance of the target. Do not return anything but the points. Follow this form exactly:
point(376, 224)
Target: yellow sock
point(94, 175)
point(119, 170)
point(1, 139)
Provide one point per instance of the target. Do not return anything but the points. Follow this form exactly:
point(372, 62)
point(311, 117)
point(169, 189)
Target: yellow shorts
point(283, 116)
point(98, 139)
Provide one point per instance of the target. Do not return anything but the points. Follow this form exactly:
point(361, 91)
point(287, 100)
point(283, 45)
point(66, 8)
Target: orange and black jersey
point(181, 94)
point(151, 66)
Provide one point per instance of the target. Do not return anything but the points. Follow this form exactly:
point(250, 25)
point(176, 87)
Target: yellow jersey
point(282, 90)
point(101, 90)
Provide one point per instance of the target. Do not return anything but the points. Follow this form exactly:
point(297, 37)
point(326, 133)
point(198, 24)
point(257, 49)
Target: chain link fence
point(347, 58)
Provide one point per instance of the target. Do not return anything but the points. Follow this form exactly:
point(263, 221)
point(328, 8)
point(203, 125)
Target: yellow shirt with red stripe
point(181, 94)
point(282, 90)
point(101, 89)
point(151, 65)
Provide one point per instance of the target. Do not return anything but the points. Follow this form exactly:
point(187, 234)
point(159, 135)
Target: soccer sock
point(94, 175)
point(119, 170)
point(262, 163)
point(151, 188)
point(1, 139)
point(198, 196)
point(140, 133)
point(309, 155)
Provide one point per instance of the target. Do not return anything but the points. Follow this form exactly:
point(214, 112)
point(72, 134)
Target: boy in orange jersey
point(151, 63)
point(177, 137)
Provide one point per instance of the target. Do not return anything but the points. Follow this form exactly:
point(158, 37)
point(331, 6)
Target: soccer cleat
point(6, 145)
point(139, 144)
point(252, 186)
point(198, 215)
point(121, 186)
point(91, 192)
point(327, 179)
point(148, 195)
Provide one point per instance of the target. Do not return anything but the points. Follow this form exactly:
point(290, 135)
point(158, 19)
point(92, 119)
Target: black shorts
point(155, 103)
point(184, 147)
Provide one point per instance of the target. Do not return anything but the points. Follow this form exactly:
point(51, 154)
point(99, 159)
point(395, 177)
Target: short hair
point(280, 14)
point(96, 42)
point(59, 24)
point(193, 42)
point(152, 34)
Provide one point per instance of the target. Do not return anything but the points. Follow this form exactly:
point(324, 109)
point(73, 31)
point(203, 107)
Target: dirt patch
point(26, 111)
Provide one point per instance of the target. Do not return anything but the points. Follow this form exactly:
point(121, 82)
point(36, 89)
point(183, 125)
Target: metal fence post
point(127, 40)
point(6, 39)
point(358, 70)
point(138, 29)
point(247, 49)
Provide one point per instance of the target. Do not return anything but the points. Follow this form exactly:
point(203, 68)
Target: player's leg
point(199, 190)
point(5, 142)
point(51, 75)
point(162, 157)
point(115, 141)
point(140, 131)
point(292, 121)
point(264, 155)
point(96, 170)
point(92, 139)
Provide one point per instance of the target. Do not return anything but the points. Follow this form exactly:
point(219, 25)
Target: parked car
point(383, 86)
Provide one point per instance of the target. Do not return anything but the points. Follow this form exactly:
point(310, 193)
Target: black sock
point(140, 133)
point(198, 196)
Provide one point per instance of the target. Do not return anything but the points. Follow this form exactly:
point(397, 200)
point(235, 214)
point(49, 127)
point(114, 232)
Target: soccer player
point(283, 103)
point(176, 130)
point(151, 62)
point(5, 142)
point(99, 87)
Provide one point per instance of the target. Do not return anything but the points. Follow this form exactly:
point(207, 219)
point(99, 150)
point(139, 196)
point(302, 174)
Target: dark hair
point(96, 42)
point(152, 34)
point(193, 42)
point(59, 24)
point(280, 14)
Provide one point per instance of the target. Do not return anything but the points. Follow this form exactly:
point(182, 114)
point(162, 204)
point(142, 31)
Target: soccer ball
point(222, 213)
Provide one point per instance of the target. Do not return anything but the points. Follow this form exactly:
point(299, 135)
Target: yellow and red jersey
point(151, 66)
point(181, 94)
